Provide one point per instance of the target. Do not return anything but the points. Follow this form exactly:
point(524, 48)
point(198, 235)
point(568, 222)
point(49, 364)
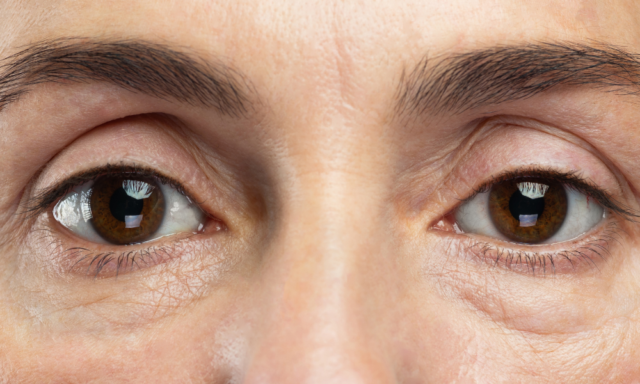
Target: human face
point(330, 146)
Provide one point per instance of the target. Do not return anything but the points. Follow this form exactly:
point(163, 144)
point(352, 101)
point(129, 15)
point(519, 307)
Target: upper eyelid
point(44, 198)
point(571, 179)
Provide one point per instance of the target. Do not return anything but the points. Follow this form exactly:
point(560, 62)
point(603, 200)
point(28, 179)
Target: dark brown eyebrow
point(135, 65)
point(496, 75)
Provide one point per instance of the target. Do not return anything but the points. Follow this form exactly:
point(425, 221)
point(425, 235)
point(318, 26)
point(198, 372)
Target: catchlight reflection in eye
point(530, 210)
point(124, 210)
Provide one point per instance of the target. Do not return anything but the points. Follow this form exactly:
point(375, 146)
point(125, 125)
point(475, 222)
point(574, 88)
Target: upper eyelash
point(571, 179)
point(43, 199)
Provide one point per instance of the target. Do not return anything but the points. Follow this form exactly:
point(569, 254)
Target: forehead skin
point(327, 73)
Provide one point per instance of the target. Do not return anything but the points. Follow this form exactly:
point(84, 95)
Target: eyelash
point(97, 261)
point(44, 199)
point(570, 179)
point(535, 261)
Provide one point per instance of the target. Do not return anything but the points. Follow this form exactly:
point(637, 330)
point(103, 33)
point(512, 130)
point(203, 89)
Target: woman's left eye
point(531, 211)
point(126, 209)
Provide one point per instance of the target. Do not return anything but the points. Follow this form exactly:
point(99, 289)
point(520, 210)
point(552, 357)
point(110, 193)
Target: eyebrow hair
point(499, 74)
point(135, 65)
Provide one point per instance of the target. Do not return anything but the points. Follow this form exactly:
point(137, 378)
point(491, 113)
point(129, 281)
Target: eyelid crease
point(44, 198)
point(571, 179)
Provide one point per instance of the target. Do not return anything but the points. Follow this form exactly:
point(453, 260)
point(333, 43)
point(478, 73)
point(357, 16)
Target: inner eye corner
point(444, 223)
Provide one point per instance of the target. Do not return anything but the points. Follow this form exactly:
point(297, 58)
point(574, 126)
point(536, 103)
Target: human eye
point(539, 219)
point(119, 212)
point(127, 206)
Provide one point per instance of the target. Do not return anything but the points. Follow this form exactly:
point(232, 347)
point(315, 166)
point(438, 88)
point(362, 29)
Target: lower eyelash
point(586, 257)
point(114, 263)
point(93, 263)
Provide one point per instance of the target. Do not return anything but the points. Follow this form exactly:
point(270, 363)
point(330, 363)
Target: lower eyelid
point(105, 263)
point(79, 257)
point(586, 254)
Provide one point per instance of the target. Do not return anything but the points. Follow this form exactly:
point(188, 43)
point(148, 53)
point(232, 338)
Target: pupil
point(121, 205)
point(522, 205)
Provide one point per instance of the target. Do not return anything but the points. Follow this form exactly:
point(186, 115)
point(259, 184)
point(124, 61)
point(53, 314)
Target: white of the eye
point(583, 213)
point(66, 211)
point(85, 204)
point(473, 217)
point(181, 215)
point(74, 212)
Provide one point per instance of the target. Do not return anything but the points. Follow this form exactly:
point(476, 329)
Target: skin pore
point(328, 142)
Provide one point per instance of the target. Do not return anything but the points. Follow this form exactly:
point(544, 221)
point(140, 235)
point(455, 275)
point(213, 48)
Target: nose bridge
point(320, 305)
point(318, 311)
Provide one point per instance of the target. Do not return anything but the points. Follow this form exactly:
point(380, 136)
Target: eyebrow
point(480, 78)
point(135, 65)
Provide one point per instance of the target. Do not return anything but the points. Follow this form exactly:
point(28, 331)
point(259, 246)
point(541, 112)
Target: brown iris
point(126, 210)
point(528, 210)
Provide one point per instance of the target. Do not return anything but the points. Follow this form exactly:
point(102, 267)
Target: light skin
point(329, 255)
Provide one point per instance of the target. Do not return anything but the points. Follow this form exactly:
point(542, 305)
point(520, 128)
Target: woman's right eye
point(530, 211)
point(126, 209)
